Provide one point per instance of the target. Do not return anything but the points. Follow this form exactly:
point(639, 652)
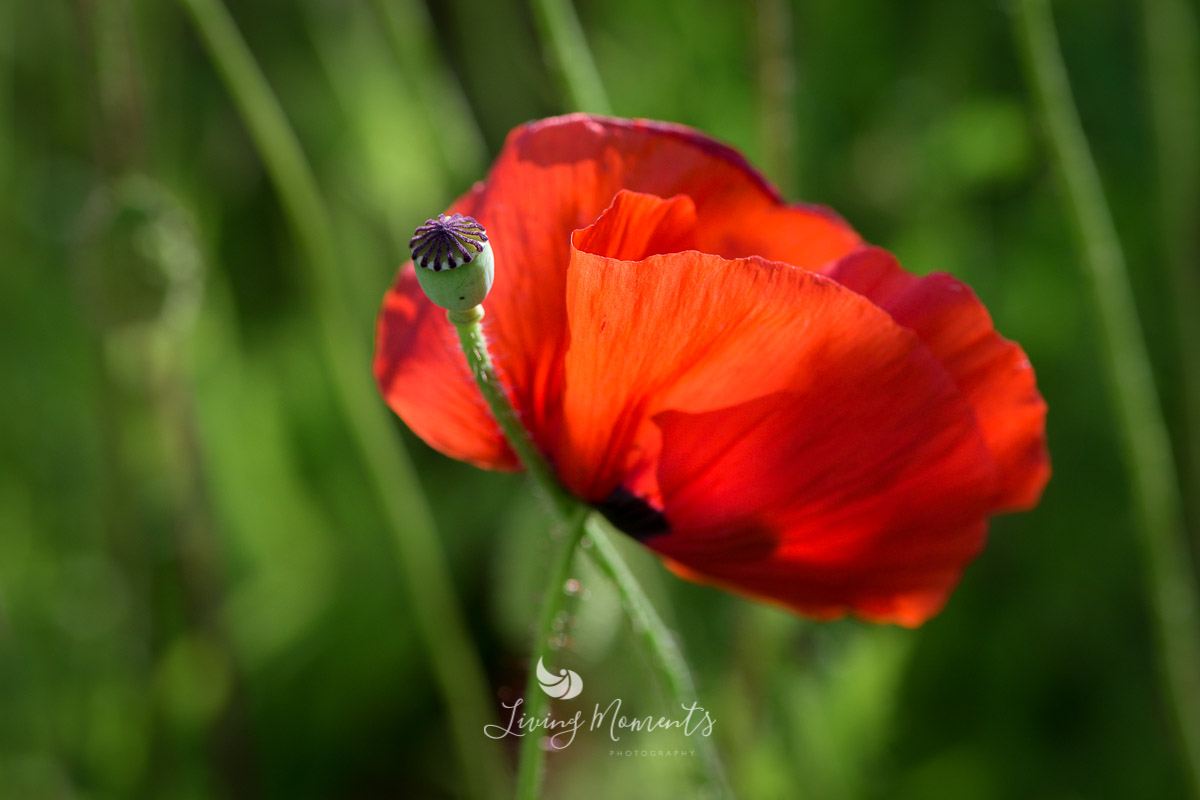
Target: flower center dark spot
point(633, 515)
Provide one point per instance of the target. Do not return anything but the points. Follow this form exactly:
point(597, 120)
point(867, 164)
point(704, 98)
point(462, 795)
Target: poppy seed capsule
point(453, 260)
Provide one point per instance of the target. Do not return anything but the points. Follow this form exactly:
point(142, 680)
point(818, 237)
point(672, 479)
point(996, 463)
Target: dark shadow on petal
point(633, 515)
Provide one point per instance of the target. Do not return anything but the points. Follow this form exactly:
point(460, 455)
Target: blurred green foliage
point(194, 600)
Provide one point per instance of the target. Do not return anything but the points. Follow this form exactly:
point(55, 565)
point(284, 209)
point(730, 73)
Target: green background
point(199, 596)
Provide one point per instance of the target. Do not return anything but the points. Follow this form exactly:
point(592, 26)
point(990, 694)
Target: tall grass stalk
point(1172, 51)
point(1155, 484)
point(775, 71)
point(568, 56)
point(439, 619)
point(410, 36)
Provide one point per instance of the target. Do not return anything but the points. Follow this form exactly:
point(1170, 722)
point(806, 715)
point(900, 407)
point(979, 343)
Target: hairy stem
point(439, 619)
point(531, 769)
point(474, 346)
point(659, 640)
point(1171, 583)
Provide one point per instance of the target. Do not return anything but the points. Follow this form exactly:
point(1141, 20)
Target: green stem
point(440, 621)
point(1172, 49)
point(532, 764)
point(568, 56)
point(1157, 503)
point(659, 640)
point(474, 345)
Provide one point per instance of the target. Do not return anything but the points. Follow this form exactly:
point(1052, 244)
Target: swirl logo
point(565, 685)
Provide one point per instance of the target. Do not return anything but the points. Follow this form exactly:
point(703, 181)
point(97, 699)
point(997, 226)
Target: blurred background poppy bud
point(453, 260)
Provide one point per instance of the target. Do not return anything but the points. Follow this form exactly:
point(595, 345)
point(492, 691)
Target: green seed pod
point(453, 260)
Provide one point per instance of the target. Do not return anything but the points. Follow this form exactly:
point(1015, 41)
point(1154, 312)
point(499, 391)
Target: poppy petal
point(993, 374)
point(552, 177)
point(739, 213)
point(805, 236)
point(863, 493)
point(691, 332)
point(557, 175)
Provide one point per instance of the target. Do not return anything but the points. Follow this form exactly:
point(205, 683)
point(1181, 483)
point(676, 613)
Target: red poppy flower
point(743, 385)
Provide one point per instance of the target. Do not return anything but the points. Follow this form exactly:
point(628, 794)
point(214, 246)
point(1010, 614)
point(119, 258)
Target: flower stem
point(568, 55)
point(659, 640)
point(531, 768)
point(1173, 595)
point(474, 346)
point(439, 620)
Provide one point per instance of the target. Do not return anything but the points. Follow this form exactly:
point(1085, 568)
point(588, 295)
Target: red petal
point(805, 446)
point(993, 373)
point(866, 492)
point(739, 214)
point(551, 178)
point(556, 176)
point(804, 236)
point(637, 226)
